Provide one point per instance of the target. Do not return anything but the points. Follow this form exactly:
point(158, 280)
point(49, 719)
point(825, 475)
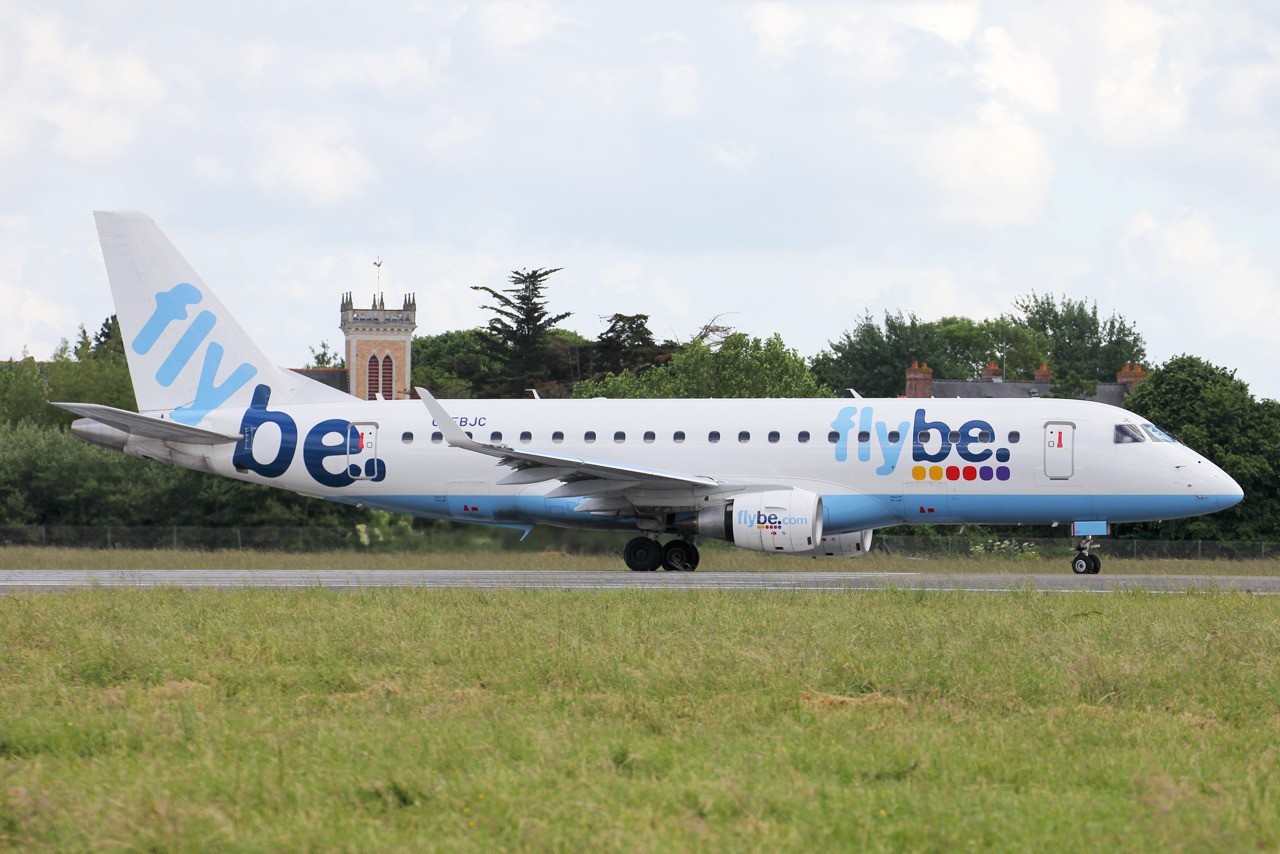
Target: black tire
point(1095, 564)
point(642, 554)
point(679, 556)
point(1081, 565)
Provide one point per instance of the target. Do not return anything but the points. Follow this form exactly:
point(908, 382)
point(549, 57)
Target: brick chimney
point(919, 380)
point(1129, 376)
point(992, 373)
point(1043, 374)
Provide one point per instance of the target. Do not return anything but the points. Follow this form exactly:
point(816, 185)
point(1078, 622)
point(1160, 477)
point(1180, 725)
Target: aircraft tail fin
point(187, 354)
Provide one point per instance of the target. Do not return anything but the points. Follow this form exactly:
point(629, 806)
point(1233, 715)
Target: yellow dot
point(918, 473)
point(935, 473)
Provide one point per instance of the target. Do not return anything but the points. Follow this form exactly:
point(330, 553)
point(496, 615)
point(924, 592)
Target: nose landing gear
point(1086, 563)
point(646, 554)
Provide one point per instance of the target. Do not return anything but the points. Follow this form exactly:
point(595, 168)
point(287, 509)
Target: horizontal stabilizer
point(146, 426)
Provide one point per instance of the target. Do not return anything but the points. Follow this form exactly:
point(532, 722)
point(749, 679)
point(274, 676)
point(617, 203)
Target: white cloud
point(1143, 89)
point(954, 23)
point(779, 28)
point(996, 171)
point(91, 102)
point(385, 70)
point(1208, 296)
point(509, 24)
point(316, 162)
point(1023, 77)
point(679, 90)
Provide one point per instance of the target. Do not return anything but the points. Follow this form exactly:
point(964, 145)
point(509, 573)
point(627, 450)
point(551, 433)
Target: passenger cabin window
point(619, 437)
point(589, 436)
point(894, 437)
point(774, 437)
point(437, 437)
point(744, 437)
point(1014, 436)
point(1127, 434)
point(649, 436)
point(526, 436)
point(557, 437)
point(923, 437)
point(953, 437)
point(802, 437)
point(713, 436)
point(833, 437)
point(1158, 435)
point(864, 437)
point(495, 436)
point(985, 437)
point(407, 438)
point(677, 436)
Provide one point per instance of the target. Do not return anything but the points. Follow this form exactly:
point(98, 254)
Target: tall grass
point(639, 720)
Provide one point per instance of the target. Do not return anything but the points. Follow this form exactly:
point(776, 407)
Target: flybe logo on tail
point(931, 442)
point(171, 306)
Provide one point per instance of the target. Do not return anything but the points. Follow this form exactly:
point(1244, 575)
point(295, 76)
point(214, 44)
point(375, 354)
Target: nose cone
point(1216, 488)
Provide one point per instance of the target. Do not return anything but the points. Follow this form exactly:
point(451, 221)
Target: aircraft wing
point(573, 471)
point(136, 424)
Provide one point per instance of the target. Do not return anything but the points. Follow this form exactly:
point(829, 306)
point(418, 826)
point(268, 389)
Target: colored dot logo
point(938, 473)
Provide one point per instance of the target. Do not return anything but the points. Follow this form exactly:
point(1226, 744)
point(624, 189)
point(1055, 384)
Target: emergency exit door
point(1059, 450)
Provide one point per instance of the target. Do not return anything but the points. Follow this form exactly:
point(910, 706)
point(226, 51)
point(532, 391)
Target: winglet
point(453, 434)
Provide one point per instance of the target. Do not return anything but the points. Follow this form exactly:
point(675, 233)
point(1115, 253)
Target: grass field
point(715, 558)
point(469, 720)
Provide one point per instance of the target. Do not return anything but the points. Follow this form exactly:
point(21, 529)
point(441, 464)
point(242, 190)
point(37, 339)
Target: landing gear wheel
point(1081, 564)
point(642, 554)
point(680, 556)
point(1095, 564)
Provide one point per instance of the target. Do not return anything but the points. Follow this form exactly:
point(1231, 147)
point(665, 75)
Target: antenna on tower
point(378, 263)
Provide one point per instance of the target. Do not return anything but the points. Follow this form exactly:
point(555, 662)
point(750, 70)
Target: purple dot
point(1002, 473)
point(986, 473)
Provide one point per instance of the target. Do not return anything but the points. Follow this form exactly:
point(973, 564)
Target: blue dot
point(353, 470)
point(986, 473)
point(1002, 455)
point(1002, 473)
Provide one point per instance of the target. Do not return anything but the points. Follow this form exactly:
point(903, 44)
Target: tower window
point(388, 379)
point(374, 379)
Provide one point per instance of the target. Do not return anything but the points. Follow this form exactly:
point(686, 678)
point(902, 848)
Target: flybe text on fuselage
point(971, 444)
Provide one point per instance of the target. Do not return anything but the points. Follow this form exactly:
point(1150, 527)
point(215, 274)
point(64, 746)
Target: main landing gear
point(1085, 563)
point(646, 554)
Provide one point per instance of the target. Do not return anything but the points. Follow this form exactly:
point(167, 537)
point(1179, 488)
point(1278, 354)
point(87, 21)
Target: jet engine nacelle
point(783, 520)
point(852, 544)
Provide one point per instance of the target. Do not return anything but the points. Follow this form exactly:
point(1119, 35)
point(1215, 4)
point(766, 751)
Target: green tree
point(1213, 412)
point(520, 330)
point(1082, 348)
point(627, 344)
point(741, 366)
point(95, 370)
point(326, 357)
point(457, 364)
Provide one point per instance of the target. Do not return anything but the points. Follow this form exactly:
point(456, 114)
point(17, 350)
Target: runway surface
point(15, 580)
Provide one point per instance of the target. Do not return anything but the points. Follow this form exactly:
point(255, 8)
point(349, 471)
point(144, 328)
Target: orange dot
point(918, 473)
point(935, 473)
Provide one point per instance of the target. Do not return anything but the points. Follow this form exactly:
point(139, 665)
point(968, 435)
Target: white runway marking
point(15, 580)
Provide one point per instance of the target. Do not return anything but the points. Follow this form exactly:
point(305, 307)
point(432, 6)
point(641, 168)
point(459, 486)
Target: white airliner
point(800, 477)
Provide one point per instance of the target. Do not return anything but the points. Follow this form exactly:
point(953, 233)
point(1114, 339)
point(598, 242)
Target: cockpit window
point(1128, 433)
point(1158, 435)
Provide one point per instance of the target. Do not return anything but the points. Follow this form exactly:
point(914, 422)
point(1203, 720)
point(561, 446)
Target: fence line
point(466, 537)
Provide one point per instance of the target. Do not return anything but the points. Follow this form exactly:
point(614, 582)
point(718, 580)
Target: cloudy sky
point(788, 165)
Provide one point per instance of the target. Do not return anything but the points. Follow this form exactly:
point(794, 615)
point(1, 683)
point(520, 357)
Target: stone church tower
point(378, 347)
